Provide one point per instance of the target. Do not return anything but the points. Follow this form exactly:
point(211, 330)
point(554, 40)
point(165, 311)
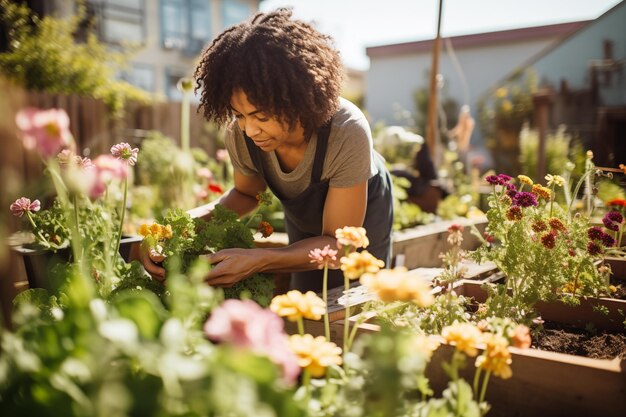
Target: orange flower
point(315, 354)
point(496, 358)
point(358, 263)
point(266, 229)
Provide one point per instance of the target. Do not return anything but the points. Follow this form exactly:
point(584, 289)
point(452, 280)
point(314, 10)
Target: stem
point(476, 380)
point(576, 279)
point(306, 383)
point(552, 197)
point(575, 194)
point(346, 319)
point(119, 233)
point(325, 298)
point(483, 390)
point(300, 326)
point(38, 232)
point(184, 122)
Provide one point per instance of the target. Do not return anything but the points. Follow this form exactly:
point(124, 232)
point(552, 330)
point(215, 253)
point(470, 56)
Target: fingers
point(157, 272)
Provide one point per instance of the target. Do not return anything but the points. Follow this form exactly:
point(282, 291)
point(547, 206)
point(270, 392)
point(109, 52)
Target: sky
point(357, 24)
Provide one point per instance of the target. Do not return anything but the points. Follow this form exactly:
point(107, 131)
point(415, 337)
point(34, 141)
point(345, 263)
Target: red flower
point(616, 202)
point(265, 229)
point(215, 188)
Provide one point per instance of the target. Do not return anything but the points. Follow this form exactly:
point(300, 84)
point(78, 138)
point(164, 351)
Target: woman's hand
point(231, 266)
point(149, 259)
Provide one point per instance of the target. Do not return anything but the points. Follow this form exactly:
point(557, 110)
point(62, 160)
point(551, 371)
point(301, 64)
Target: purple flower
point(595, 233)
point(23, 205)
point(124, 152)
point(612, 220)
point(594, 249)
point(501, 179)
point(607, 240)
point(245, 324)
point(525, 199)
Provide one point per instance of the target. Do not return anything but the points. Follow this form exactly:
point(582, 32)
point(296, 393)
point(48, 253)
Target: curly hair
point(285, 67)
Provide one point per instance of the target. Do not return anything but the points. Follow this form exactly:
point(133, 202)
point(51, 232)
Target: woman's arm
point(343, 207)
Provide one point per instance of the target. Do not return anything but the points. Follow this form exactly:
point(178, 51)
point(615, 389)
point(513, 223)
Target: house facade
point(469, 66)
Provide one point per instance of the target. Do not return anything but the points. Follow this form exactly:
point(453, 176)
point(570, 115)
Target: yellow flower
point(155, 230)
point(315, 354)
point(501, 92)
point(166, 231)
point(397, 285)
point(352, 236)
point(525, 180)
point(464, 336)
point(295, 305)
point(358, 263)
point(496, 358)
point(555, 180)
point(144, 230)
point(426, 345)
point(541, 191)
point(507, 106)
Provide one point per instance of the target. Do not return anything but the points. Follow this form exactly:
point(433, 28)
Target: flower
point(107, 168)
point(500, 179)
point(539, 226)
point(464, 336)
point(557, 225)
point(555, 180)
point(124, 152)
point(548, 240)
point(315, 354)
point(66, 156)
point(455, 234)
point(594, 249)
point(616, 202)
point(397, 285)
point(23, 205)
point(48, 131)
point(525, 180)
point(514, 213)
point(541, 191)
point(294, 305)
point(612, 220)
point(222, 155)
point(244, 324)
point(496, 358)
point(323, 256)
point(352, 236)
point(215, 188)
point(425, 345)
point(204, 173)
point(520, 336)
point(156, 230)
point(525, 199)
point(622, 167)
point(358, 263)
point(265, 229)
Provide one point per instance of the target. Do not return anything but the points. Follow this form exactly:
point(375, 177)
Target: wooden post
point(431, 127)
point(542, 102)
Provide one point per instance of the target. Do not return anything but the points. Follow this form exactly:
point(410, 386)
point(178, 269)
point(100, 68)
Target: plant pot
point(38, 263)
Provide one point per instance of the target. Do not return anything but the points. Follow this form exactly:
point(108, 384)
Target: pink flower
point(204, 173)
point(66, 156)
point(244, 324)
point(222, 155)
point(124, 152)
point(323, 256)
point(107, 169)
point(48, 131)
point(23, 205)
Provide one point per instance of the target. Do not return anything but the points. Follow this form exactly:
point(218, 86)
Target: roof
point(479, 39)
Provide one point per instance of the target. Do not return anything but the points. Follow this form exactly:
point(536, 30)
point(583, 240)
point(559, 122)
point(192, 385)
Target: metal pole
point(431, 127)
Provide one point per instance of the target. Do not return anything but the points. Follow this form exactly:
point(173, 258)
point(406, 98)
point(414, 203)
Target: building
point(470, 65)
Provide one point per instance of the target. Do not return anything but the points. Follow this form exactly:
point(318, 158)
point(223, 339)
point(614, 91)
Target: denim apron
point(304, 213)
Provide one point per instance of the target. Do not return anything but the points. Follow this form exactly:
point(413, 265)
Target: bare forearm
point(295, 257)
point(234, 200)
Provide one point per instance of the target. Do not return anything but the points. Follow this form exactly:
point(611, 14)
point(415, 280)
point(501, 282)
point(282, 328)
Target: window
point(234, 11)
point(118, 20)
point(140, 75)
point(186, 24)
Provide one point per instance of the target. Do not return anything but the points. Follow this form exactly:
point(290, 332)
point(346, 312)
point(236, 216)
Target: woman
point(280, 79)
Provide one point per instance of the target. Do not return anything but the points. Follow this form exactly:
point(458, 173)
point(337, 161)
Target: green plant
point(43, 55)
point(545, 252)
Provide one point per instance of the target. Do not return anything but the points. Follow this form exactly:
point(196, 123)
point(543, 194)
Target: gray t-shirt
point(349, 156)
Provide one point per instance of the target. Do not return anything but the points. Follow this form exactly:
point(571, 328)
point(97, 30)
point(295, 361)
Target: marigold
point(557, 225)
point(539, 226)
point(496, 358)
point(514, 213)
point(525, 180)
point(352, 236)
point(464, 336)
point(294, 305)
point(265, 229)
point(541, 191)
point(397, 285)
point(315, 354)
point(358, 263)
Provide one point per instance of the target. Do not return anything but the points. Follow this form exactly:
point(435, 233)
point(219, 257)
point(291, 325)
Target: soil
point(561, 338)
point(620, 294)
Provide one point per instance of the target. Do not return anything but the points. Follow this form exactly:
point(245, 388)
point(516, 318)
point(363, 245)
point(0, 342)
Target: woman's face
point(265, 130)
